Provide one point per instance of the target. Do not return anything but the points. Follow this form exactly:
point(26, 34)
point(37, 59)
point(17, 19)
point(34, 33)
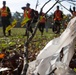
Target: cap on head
point(28, 4)
point(23, 8)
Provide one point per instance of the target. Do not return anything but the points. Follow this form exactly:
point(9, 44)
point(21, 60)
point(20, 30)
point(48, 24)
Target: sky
point(15, 5)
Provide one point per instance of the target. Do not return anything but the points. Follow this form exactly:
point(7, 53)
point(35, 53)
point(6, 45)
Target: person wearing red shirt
point(58, 16)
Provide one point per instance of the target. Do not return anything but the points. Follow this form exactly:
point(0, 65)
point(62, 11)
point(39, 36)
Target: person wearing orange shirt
point(28, 13)
point(58, 16)
point(5, 17)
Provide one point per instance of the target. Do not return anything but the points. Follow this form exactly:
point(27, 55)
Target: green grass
point(19, 32)
point(14, 31)
point(17, 39)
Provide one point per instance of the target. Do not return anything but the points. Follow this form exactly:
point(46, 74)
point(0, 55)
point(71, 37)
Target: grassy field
point(16, 41)
point(17, 34)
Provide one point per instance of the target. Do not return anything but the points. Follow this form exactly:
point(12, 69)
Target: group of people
point(33, 15)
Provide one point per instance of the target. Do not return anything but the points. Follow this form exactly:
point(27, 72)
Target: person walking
point(5, 18)
point(28, 13)
point(58, 16)
point(42, 22)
